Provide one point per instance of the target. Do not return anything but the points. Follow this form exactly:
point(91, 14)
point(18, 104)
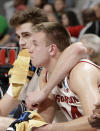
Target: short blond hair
point(55, 33)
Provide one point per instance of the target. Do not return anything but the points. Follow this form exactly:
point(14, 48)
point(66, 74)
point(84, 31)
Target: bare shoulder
point(86, 67)
point(84, 73)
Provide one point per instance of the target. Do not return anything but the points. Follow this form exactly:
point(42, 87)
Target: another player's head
point(23, 21)
point(92, 43)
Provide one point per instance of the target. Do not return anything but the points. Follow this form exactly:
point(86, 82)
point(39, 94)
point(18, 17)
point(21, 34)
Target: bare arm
point(69, 58)
point(84, 84)
point(94, 119)
point(80, 124)
point(5, 122)
point(46, 108)
point(7, 104)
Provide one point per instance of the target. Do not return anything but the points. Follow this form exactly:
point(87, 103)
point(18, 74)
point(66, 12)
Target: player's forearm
point(80, 124)
point(7, 104)
point(5, 122)
point(69, 58)
point(47, 109)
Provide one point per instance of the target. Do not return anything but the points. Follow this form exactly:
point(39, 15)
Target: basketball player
point(23, 22)
point(78, 92)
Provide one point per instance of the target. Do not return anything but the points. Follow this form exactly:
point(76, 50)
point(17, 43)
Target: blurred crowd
point(63, 11)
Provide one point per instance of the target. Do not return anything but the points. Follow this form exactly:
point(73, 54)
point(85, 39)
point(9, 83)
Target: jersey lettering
point(74, 112)
point(66, 99)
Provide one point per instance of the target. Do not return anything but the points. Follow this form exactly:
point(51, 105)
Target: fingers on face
point(94, 120)
point(96, 111)
point(97, 106)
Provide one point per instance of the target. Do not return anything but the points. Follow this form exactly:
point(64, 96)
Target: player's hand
point(35, 98)
point(94, 119)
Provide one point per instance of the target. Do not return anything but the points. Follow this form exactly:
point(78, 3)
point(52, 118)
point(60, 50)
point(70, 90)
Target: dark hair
point(33, 15)
point(43, 2)
point(20, 2)
point(73, 20)
point(88, 15)
point(52, 5)
point(55, 34)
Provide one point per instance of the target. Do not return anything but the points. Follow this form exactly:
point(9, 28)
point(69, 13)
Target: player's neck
point(52, 63)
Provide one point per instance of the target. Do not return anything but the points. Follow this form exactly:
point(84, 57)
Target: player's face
point(65, 20)
point(24, 34)
point(39, 50)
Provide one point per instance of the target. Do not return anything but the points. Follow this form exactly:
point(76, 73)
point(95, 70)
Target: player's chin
point(35, 64)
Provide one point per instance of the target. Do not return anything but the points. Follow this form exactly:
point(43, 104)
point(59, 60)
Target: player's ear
point(53, 50)
point(90, 51)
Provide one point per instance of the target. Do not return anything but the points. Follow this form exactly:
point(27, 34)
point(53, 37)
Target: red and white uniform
point(68, 101)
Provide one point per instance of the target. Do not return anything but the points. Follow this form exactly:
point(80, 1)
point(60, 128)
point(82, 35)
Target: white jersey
point(68, 101)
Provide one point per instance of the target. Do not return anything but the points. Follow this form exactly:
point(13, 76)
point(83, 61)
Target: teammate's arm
point(47, 108)
point(83, 82)
point(5, 122)
point(69, 58)
point(7, 104)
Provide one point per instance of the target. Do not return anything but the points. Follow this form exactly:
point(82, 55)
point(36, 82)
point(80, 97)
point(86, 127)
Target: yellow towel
point(35, 121)
point(19, 72)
